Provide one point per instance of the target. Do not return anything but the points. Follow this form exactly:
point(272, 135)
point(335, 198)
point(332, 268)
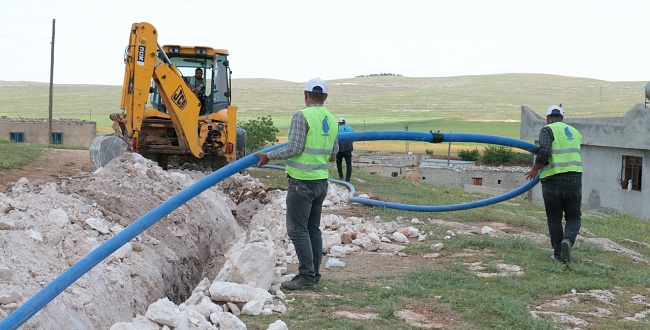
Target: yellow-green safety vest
point(313, 162)
point(565, 150)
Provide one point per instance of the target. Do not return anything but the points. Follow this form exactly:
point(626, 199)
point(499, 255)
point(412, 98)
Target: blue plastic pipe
point(23, 313)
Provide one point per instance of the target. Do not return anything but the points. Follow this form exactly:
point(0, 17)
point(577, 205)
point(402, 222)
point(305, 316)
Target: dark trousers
point(348, 164)
point(304, 205)
point(562, 198)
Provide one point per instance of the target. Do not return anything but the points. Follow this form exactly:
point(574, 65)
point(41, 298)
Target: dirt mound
point(48, 227)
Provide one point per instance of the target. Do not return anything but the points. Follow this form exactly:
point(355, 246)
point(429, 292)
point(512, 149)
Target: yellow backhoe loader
point(162, 117)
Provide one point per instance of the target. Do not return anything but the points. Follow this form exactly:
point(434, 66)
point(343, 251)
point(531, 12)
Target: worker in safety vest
point(560, 163)
point(313, 139)
point(345, 152)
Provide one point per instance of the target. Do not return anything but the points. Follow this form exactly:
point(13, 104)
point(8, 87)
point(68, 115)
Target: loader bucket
point(103, 149)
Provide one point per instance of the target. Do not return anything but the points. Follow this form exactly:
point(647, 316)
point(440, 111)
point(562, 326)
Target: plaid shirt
point(544, 153)
point(297, 137)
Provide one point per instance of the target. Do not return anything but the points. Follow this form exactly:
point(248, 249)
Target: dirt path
point(51, 166)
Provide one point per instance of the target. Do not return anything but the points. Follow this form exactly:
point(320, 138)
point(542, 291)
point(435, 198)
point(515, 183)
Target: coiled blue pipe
point(439, 137)
point(443, 137)
point(23, 313)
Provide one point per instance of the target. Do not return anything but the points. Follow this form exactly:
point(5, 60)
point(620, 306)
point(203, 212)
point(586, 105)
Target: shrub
point(497, 155)
point(469, 155)
point(259, 132)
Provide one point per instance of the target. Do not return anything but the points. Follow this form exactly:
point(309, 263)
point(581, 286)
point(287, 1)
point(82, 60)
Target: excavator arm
point(139, 60)
point(182, 105)
point(141, 65)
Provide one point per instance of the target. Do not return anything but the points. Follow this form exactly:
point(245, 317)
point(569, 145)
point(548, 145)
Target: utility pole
point(406, 128)
point(448, 152)
point(51, 81)
point(364, 128)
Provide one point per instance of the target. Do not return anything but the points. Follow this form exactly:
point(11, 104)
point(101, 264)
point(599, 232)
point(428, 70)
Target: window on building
point(394, 174)
point(477, 181)
point(17, 136)
point(57, 138)
point(631, 172)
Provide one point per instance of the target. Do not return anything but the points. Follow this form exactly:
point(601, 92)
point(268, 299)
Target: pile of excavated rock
point(200, 267)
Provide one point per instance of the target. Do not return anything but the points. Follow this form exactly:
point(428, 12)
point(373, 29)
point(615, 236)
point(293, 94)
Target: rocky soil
point(221, 255)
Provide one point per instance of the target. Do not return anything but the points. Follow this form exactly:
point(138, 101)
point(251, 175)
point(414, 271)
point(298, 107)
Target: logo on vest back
point(326, 127)
point(568, 134)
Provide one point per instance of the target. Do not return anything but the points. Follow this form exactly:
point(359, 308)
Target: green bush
point(497, 155)
point(469, 155)
point(259, 132)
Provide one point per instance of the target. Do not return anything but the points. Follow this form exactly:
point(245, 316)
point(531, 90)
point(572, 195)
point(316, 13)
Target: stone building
point(491, 180)
point(69, 132)
point(387, 165)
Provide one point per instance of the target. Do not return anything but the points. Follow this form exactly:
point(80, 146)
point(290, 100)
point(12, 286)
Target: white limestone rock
point(163, 312)
point(238, 293)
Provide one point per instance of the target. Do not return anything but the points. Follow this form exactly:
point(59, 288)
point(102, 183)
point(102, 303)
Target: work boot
point(565, 253)
point(298, 283)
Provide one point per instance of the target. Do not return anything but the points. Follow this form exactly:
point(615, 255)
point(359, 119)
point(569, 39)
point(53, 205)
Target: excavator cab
point(215, 95)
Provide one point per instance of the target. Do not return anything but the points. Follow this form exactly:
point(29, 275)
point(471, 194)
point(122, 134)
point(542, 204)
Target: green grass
point(17, 155)
point(489, 104)
point(481, 303)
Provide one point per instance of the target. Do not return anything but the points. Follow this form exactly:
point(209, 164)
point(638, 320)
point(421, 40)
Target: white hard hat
point(555, 110)
point(316, 82)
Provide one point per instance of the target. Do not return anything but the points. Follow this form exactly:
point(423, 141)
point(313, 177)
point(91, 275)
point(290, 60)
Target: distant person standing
point(560, 163)
point(345, 152)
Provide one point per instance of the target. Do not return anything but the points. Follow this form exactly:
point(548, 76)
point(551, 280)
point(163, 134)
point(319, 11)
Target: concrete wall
point(75, 132)
point(388, 171)
point(498, 181)
point(393, 160)
point(602, 181)
point(393, 165)
point(605, 142)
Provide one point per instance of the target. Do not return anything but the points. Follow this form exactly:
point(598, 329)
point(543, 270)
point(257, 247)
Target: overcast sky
point(297, 40)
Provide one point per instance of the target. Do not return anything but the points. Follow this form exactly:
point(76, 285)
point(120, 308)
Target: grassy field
point(489, 104)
